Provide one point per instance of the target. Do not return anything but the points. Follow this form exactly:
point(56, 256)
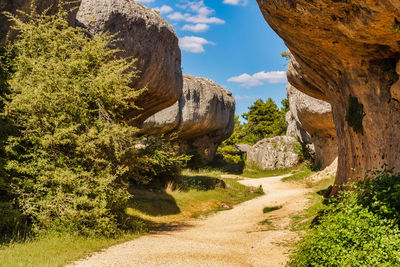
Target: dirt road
point(233, 237)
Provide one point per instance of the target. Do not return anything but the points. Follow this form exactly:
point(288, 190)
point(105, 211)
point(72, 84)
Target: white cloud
point(196, 12)
point(235, 2)
point(244, 97)
point(145, 1)
point(259, 78)
point(193, 44)
point(164, 9)
point(200, 27)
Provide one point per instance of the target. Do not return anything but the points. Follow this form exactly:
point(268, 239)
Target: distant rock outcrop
point(145, 35)
point(274, 153)
point(345, 53)
point(203, 116)
point(315, 117)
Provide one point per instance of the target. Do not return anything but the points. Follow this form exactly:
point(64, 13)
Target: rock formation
point(203, 116)
point(315, 117)
point(25, 5)
point(274, 153)
point(141, 33)
point(345, 53)
point(145, 35)
point(294, 129)
point(242, 148)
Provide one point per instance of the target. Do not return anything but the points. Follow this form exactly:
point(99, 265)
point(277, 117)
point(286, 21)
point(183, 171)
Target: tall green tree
point(264, 120)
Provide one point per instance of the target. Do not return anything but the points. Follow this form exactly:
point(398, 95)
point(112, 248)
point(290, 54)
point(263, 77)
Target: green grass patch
point(202, 193)
point(56, 250)
point(269, 209)
point(303, 220)
point(267, 222)
point(299, 175)
point(252, 171)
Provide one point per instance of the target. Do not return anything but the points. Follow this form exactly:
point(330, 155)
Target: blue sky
point(229, 42)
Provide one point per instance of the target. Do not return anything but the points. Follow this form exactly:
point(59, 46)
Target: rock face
point(242, 148)
point(274, 153)
point(345, 53)
point(25, 5)
point(144, 35)
point(315, 117)
point(203, 116)
point(294, 129)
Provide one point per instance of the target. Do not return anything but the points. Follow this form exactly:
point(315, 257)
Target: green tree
point(238, 133)
point(264, 120)
point(74, 151)
point(285, 105)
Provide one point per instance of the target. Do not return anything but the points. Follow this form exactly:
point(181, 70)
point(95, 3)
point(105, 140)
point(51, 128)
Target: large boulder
point(143, 34)
point(203, 117)
point(315, 117)
point(345, 53)
point(274, 153)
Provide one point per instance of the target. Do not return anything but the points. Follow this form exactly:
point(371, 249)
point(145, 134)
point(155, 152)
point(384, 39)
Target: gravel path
point(228, 238)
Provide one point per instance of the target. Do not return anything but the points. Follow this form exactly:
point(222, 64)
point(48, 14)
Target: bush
point(305, 154)
point(161, 162)
point(74, 152)
point(196, 160)
point(359, 227)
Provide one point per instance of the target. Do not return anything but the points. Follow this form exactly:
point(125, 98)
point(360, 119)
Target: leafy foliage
point(161, 163)
point(359, 227)
point(264, 120)
point(74, 152)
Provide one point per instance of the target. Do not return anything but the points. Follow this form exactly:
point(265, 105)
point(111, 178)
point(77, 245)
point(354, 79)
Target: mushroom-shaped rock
point(315, 117)
point(346, 54)
point(203, 116)
point(143, 34)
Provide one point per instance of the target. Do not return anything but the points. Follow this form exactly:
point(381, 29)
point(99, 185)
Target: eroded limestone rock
point(274, 153)
point(346, 54)
point(315, 117)
point(145, 35)
point(203, 117)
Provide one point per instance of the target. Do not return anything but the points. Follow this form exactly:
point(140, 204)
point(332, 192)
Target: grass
point(54, 250)
point(172, 206)
point(266, 225)
point(299, 174)
point(304, 220)
point(155, 208)
point(252, 171)
point(269, 209)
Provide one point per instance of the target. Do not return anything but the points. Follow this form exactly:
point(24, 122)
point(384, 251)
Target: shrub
point(161, 162)
point(305, 154)
point(74, 152)
point(359, 227)
point(196, 160)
